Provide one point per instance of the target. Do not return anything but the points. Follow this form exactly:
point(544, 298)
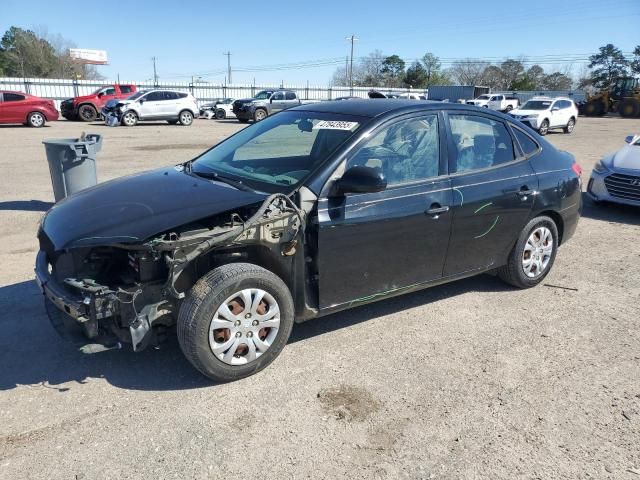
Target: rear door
point(373, 244)
point(290, 99)
point(560, 113)
point(493, 191)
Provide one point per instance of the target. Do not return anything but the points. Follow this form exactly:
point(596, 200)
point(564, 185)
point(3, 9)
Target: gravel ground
point(470, 380)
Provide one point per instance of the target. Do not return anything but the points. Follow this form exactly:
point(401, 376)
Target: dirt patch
point(347, 402)
point(171, 146)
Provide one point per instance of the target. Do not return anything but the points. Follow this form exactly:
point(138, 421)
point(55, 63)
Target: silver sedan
point(616, 178)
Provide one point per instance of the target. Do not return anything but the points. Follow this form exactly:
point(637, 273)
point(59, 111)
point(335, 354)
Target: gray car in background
point(616, 178)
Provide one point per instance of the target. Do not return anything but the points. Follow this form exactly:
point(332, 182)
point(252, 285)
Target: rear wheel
point(129, 119)
point(87, 113)
point(544, 127)
point(186, 118)
point(235, 321)
point(570, 125)
point(629, 107)
point(36, 120)
point(533, 254)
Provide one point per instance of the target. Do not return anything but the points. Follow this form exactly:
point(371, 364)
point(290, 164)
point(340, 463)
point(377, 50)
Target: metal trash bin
point(72, 163)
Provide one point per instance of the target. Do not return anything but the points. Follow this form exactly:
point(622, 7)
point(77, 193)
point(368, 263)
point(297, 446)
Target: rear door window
point(125, 88)
point(290, 96)
point(479, 142)
point(12, 97)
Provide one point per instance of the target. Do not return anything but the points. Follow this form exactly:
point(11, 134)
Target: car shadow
point(610, 212)
point(32, 353)
point(20, 125)
point(26, 205)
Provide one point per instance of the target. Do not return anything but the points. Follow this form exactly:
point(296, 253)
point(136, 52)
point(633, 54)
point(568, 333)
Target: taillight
point(577, 169)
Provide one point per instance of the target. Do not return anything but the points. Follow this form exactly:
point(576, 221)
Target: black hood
point(135, 208)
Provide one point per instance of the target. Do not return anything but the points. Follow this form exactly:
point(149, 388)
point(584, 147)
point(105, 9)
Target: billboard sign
point(92, 57)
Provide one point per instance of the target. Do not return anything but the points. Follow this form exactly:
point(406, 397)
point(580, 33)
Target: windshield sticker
point(335, 125)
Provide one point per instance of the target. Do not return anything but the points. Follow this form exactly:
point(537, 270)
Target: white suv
point(545, 113)
point(154, 104)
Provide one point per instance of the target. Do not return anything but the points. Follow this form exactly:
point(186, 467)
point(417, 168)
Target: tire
point(259, 114)
point(243, 120)
point(223, 286)
point(514, 272)
point(570, 125)
point(221, 114)
point(87, 113)
point(36, 120)
point(594, 108)
point(185, 117)
point(129, 119)
point(629, 107)
point(544, 127)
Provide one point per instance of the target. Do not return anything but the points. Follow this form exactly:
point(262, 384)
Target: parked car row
point(124, 104)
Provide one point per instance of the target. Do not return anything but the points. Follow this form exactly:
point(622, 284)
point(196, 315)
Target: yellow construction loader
point(623, 97)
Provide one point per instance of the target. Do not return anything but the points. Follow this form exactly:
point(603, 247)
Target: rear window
point(181, 95)
point(529, 147)
point(12, 97)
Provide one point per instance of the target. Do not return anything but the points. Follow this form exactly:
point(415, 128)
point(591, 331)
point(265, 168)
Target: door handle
point(436, 210)
point(525, 192)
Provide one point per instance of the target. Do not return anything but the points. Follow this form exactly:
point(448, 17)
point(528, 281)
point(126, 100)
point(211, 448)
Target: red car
point(18, 107)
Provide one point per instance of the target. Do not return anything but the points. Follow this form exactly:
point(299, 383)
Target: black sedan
point(311, 211)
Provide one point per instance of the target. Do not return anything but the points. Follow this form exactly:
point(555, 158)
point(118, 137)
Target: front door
point(278, 102)
point(493, 192)
point(372, 244)
point(151, 105)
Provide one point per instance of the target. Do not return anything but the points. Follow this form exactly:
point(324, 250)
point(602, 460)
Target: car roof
point(377, 107)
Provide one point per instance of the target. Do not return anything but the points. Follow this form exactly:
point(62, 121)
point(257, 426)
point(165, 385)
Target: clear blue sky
point(189, 38)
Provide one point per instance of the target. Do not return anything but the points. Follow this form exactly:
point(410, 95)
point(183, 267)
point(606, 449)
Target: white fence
point(61, 89)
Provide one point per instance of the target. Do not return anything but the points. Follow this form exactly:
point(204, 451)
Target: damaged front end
point(131, 292)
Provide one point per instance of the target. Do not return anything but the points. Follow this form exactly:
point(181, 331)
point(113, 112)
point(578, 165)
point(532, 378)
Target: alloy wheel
point(244, 326)
point(186, 118)
point(36, 119)
point(537, 252)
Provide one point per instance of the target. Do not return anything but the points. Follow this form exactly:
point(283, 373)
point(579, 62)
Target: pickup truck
point(503, 102)
point(481, 101)
point(265, 103)
point(87, 107)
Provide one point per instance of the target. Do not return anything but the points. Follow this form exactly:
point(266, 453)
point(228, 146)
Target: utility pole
point(352, 39)
point(155, 73)
point(346, 70)
point(228, 55)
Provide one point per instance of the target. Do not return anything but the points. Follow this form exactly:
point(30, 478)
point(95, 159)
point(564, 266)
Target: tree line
point(25, 53)
point(378, 70)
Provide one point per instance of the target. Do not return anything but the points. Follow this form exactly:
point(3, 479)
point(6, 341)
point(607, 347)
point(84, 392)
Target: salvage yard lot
point(468, 380)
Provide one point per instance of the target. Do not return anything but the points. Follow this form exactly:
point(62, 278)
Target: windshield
point(536, 105)
point(137, 95)
point(265, 94)
point(274, 155)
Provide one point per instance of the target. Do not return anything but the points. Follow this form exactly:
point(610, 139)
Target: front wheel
point(259, 114)
point(129, 119)
point(220, 114)
point(544, 128)
point(533, 254)
point(186, 118)
point(235, 321)
point(87, 113)
point(36, 120)
point(570, 125)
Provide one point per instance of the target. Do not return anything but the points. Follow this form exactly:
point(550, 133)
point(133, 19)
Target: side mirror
point(141, 101)
point(101, 94)
point(361, 179)
point(628, 138)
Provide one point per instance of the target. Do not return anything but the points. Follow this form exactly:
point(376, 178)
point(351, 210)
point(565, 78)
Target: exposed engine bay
point(132, 292)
